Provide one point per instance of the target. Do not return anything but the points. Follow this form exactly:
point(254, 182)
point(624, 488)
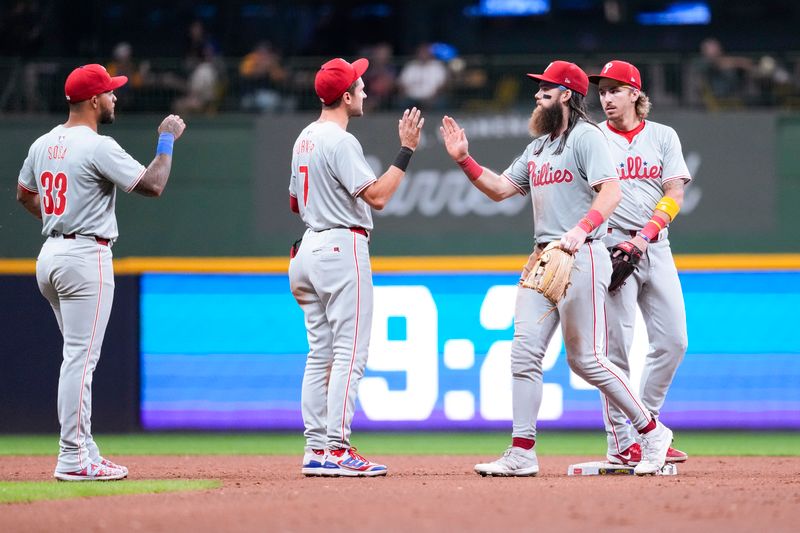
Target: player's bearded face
point(107, 116)
point(106, 103)
point(546, 118)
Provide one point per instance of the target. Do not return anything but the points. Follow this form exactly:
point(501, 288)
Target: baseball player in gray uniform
point(652, 171)
point(333, 188)
point(574, 188)
point(69, 181)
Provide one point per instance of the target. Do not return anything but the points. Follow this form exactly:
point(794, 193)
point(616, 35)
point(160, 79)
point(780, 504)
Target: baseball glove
point(625, 258)
point(550, 273)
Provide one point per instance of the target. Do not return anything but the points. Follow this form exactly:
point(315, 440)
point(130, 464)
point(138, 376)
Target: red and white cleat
point(93, 472)
point(676, 456)
point(111, 464)
point(630, 456)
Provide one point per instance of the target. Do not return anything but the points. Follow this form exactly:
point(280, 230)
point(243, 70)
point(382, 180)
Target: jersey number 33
point(54, 193)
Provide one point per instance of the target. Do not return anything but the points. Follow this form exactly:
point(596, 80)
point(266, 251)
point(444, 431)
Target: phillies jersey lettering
point(562, 185)
point(636, 168)
point(76, 171)
point(546, 176)
point(328, 173)
point(653, 158)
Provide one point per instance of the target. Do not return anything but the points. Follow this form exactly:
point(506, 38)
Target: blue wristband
point(165, 142)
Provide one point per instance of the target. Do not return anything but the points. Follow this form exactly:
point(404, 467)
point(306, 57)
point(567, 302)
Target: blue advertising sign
point(228, 352)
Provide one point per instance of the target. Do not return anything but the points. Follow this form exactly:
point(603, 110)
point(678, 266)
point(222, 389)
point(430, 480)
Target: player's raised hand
point(172, 124)
point(455, 140)
point(410, 127)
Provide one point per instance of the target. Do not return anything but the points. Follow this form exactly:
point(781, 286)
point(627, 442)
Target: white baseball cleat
point(316, 463)
point(111, 464)
point(514, 462)
point(654, 450)
point(93, 472)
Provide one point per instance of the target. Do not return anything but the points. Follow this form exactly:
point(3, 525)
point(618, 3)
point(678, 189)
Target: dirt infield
point(264, 493)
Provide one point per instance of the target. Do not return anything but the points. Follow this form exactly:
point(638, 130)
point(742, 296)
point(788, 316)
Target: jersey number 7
point(54, 204)
point(304, 172)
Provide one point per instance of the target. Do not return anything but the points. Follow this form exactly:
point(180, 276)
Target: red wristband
point(595, 217)
point(650, 230)
point(471, 168)
point(591, 221)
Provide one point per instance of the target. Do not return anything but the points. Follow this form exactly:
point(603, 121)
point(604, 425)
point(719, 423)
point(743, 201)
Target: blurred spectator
point(262, 78)
point(422, 80)
point(206, 85)
point(195, 46)
point(380, 79)
point(773, 81)
point(723, 79)
point(122, 64)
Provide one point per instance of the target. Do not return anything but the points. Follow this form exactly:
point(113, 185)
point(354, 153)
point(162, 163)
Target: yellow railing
point(472, 263)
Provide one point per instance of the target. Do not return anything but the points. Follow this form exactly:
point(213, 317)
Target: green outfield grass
point(28, 491)
point(549, 443)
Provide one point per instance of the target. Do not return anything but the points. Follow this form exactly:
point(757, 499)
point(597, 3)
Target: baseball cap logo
point(564, 73)
point(621, 71)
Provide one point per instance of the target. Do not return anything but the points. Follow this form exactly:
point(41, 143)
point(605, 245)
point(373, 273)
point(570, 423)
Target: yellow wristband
point(669, 206)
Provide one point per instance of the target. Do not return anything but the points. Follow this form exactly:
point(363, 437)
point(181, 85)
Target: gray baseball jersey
point(331, 277)
point(644, 165)
point(76, 172)
point(653, 158)
point(328, 173)
point(561, 187)
point(565, 180)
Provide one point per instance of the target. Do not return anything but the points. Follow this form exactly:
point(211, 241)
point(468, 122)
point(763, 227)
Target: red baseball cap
point(564, 73)
point(621, 71)
point(90, 80)
point(335, 76)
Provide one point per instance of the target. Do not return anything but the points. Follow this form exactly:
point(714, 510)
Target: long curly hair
point(643, 105)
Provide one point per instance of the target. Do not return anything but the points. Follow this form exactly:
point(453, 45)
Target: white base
point(604, 468)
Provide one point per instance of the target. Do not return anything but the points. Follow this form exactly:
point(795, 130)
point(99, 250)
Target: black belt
point(632, 233)
point(543, 245)
point(100, 240)
point(360, 231)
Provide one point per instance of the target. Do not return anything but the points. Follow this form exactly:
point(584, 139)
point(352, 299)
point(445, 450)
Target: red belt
point(100, 240)
point(360, 231)
point(632, 233)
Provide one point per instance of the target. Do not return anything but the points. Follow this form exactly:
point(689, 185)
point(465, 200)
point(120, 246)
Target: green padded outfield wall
point(228, 192)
